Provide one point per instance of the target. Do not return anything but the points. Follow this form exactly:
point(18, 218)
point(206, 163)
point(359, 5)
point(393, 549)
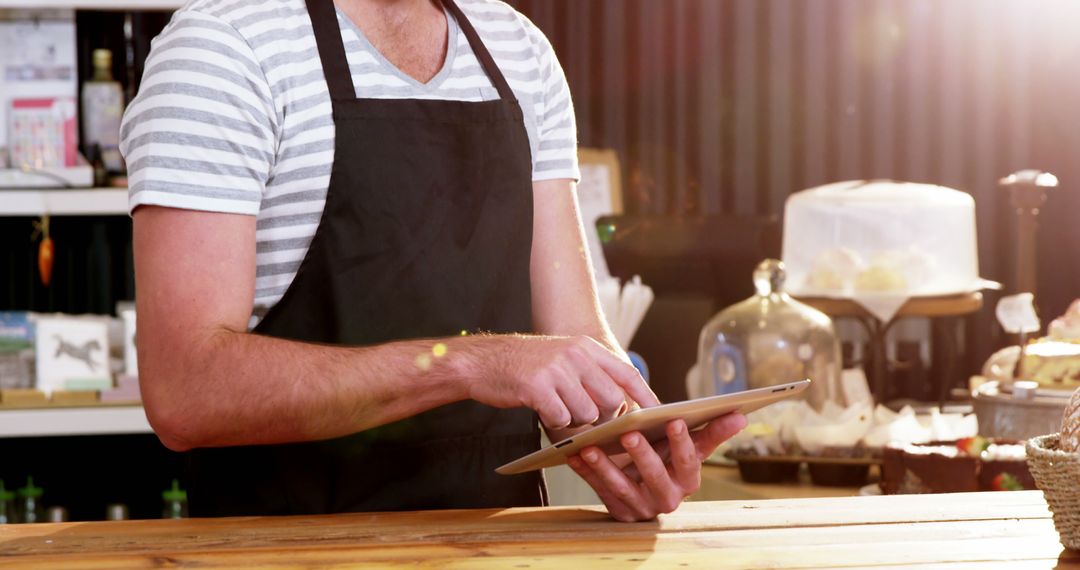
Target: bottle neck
point(102, 74)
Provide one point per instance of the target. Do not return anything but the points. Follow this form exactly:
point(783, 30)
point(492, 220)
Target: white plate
point(871, 490)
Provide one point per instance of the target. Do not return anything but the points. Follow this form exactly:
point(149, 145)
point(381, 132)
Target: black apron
point(426, 232)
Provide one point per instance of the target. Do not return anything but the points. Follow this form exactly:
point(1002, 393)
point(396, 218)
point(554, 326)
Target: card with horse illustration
point(71, 350)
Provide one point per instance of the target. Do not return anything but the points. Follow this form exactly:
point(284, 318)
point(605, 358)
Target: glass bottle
point(7, 505)
point(102, 110)
point(31, 509)
point(770, 339)
point(175, 500)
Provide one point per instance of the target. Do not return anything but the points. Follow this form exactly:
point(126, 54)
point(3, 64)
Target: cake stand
point(944, 311)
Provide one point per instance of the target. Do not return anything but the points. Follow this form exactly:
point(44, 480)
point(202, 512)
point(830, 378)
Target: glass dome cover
point(770, 339)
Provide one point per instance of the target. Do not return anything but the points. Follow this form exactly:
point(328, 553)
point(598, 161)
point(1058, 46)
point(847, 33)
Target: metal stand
point(945, 312)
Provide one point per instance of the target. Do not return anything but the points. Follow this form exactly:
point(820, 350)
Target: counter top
point(1012, 530)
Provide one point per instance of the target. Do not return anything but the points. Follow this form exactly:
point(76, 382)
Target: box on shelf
point(71, 349)
point(38, 70)
point(16, 350)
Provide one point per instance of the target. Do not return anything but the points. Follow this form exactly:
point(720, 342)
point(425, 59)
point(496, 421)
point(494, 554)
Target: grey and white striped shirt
point(233, 114)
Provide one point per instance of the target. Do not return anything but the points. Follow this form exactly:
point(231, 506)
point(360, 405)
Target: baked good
point(1052, 361)
point(1067, 326)
point(1069, 440)
point(1053, 364)
point(966, 465)
point(880, 236)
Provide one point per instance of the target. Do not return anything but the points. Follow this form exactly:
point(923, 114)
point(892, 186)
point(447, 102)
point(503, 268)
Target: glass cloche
point(770, 339)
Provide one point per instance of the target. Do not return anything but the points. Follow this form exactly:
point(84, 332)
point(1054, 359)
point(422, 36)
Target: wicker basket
point(1057, 473)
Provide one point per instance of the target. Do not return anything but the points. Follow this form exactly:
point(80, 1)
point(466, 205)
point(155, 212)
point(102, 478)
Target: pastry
point(965, 465)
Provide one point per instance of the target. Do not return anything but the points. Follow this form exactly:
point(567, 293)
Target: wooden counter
point(1000, 530)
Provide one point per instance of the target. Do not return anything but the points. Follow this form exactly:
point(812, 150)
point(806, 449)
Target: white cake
point(880, 237)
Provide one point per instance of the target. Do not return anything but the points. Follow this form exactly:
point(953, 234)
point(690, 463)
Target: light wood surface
point(943, 306)
point(992, 530)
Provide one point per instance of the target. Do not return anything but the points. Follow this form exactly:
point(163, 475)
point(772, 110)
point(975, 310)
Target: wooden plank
point(541, 524)
point(845, 532)
point(1001, 542)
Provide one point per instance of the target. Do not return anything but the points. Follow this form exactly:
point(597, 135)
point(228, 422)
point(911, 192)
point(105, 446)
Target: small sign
point(71, 349)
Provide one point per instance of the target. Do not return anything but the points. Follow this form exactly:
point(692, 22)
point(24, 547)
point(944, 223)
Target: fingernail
point(677, 428)
point(632, 440)
point(740, 421)
point(590, 456)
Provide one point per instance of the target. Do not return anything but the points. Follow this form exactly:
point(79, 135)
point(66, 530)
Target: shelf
point(86, 202)
point(96, 420)
point(93, 4)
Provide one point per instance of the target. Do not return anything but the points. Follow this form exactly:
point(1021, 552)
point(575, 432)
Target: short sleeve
point(202, 131)
point(557, 126)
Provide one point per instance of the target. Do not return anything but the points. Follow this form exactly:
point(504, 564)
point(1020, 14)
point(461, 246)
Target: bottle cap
point(30, 491)
point(56, 514)
point(175, 493)
point(116, 512)
point(6, 495)
point(102, 58)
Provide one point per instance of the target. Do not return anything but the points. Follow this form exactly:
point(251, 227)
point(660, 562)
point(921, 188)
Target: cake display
point(965, 465)
point(1052, 361)
point(880, 237)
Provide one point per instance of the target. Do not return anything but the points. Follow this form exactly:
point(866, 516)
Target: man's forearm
point(239, 388)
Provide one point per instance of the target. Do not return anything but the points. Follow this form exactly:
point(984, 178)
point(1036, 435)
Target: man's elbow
point(167, 425)
point(169, 411)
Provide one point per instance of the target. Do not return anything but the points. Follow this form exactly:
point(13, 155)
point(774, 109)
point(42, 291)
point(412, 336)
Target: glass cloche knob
point(769, 277)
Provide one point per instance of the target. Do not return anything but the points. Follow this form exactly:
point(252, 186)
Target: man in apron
point(443, 309)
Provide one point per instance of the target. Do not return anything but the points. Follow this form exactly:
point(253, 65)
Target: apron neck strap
point(481, 51)
point(336, 66)
point(331, 49)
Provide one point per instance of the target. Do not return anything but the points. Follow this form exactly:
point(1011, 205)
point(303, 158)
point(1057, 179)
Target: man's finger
point(553, 413)
point(667, 493)
point(616, 482)
point(577, 401)
point(615, 507)
point(625, 375)
point(685, 464)
point(707, 439)
point(609, 397)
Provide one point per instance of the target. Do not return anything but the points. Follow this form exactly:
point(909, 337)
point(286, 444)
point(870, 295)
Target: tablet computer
point(652, 423)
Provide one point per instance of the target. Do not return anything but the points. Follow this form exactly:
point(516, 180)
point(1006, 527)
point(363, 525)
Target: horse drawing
point(82, 353)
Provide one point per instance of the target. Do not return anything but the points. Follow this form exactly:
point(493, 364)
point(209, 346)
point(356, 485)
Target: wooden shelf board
point(59, 421)
point(93, 4)
point(64, 202)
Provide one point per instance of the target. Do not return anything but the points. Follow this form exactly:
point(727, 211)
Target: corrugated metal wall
point(728, 106)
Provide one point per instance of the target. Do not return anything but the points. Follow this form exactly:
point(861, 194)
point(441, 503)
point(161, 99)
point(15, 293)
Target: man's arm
point(207, 382)
point(648, 479)
point(563, 285)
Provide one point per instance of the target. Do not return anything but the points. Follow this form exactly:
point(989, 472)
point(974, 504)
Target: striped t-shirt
point(233, 114)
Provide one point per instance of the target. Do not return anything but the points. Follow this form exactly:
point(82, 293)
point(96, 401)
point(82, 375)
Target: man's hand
point(649, 480)
point(569, 381)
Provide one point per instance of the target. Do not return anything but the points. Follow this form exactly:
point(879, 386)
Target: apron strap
point(481, 51)
point(336, 67)
point(331, 49)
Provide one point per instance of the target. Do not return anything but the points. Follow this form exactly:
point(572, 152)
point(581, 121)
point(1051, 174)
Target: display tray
point(868, 460)
point(824, 471)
